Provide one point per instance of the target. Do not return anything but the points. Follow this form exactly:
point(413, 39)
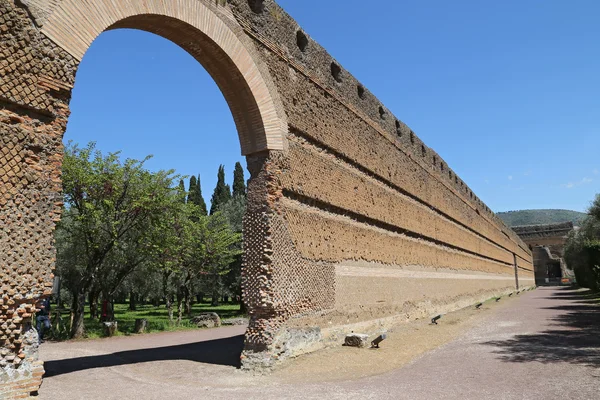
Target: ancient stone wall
point(35, 81)
point(366, 201)
point(352, 220)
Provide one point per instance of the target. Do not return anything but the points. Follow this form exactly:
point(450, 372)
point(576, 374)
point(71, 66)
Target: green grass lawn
point(158, 319)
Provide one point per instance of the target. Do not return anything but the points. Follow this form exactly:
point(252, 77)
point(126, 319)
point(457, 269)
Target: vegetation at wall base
point(582, 250)
point(157, 317)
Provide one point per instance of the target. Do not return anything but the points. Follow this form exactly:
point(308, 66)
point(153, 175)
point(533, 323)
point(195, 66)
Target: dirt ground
point(540, 344)
point(404, 342)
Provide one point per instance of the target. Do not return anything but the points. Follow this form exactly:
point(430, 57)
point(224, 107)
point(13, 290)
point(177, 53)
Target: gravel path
point(545, 344)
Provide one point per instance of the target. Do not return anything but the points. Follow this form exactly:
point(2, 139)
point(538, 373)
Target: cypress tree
point(199, 197)
point(193, 191)
point(182, 189)
point(222, 192)
point(239, 184)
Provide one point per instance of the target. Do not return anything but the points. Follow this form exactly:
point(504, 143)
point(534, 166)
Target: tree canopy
point(122, 222)
point(222, 192)
point(582, 250)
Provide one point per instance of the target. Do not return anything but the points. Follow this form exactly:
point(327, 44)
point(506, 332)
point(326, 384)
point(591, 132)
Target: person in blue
point(43, 319)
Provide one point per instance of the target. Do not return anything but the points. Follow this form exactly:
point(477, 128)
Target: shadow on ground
point(225, 351)
point(575, 338)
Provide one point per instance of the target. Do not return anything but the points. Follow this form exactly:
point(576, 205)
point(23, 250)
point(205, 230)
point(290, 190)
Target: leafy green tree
point(132, 253)
point(234, 210)
point(239, 184)
point(182, 190)
point(70, 251)
point(208, 248)
point(201, 202)
point(166, 249)
point(222, 192)
point(582, 250)
point(594, 210)
point(109, 201)
point(223, 246)
point(142, 285)
point(195, 195)
point(191, 198)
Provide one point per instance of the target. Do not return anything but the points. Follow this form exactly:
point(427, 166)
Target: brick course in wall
point(350, 219)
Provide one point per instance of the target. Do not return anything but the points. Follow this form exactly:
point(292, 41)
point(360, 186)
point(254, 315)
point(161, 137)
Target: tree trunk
point(132, 299)
point(169, 305)
point(168, 299)
point(110, 309)
point(93, 300)
point(189, 298)
point(180, 297)
point(215, 290)
point(188, 304)
point(77, 327)
point(215, 299)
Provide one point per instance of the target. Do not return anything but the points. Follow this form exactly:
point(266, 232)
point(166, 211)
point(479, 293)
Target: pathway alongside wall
point(544, 344)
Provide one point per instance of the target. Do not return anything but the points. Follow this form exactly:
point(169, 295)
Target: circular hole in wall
point(361, 91)
point(336, 72)
point(398, 130)
point(301, 40)
point(257, 6)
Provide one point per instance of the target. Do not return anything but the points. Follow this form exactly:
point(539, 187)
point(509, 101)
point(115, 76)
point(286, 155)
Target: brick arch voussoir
point(209, 33)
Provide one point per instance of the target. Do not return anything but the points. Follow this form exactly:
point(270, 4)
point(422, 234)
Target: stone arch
point(47, 40)
point(212, 35)
point(208, 32)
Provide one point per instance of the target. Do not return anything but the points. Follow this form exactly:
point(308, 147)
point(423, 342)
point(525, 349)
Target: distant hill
point(535, 217)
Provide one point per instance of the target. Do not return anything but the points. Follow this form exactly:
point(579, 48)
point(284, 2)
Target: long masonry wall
point(366, 200)
point(352, 222)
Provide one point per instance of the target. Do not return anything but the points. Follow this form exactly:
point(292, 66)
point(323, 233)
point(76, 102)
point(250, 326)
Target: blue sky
point(508, 93)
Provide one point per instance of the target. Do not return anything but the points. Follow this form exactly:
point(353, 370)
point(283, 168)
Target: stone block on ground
point(207, 320)
point(140, 325)
point(357, 340)
point(110, 328)
point(235, 321)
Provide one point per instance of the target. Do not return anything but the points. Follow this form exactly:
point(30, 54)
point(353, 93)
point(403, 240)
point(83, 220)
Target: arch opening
point(209, 35)
point(244, 83)
point(230, 80)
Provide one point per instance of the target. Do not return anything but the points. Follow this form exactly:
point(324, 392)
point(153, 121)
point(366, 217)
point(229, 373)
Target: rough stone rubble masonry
point(352, 220)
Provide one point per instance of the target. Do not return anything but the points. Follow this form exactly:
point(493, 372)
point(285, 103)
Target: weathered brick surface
point(351, 218)
point(36, 77)
point(359, 187)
